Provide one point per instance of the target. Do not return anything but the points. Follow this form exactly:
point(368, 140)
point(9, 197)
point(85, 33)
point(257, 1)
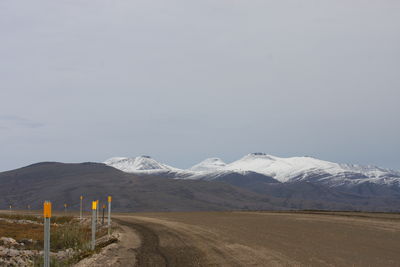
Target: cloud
point(11, 121)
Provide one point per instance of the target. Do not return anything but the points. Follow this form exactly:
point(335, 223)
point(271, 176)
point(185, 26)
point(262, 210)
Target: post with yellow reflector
point(47, 216)
point(94, 208)
point(97, 211)
point(109, 199)
point(80, 210)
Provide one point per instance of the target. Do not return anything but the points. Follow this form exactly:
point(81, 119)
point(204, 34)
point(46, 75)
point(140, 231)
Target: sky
point(185, 80)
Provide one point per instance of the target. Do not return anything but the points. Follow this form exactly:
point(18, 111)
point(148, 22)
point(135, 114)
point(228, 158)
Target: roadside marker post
point(97, 211)
point(80, 210)
point(102, 219)
point(65, 209)
point(47, 216)
point(109, 199)
point(97, 216)
point(94, 208)
point(10, 209)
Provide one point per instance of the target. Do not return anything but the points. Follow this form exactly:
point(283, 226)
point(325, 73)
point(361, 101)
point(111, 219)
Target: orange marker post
point(109, 199)
point(94, 208)
point(47, 216)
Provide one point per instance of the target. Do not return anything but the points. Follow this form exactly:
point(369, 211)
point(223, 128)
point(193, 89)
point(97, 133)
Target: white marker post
point(65, 209)
point(94, 208)
point(47, 216)
point(97, 211)
point(80, 210)
point(102, 218)
point(10, 209)
point(109, 199)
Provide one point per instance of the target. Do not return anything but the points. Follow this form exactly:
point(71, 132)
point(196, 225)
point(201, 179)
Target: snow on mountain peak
point(136, 164)
point(282, 169)
point(304, 168)
point(210, 164)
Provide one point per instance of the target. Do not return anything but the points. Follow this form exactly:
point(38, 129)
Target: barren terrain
point(264, 239)
point(251, 239)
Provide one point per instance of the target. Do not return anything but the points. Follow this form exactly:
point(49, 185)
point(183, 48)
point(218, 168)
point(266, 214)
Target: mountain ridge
point(281, 169)
point(226, 190)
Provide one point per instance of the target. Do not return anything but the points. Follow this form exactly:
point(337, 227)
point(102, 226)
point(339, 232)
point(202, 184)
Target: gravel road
point(259, 239)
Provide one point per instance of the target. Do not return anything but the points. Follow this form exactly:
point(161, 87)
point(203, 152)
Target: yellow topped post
point(94, 205)
point(47, 209)
point(46, 239)
point(109, 199)
point(94, 208)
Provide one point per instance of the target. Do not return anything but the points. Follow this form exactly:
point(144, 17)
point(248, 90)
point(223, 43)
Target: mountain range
point(283, 170)
point(255, 182)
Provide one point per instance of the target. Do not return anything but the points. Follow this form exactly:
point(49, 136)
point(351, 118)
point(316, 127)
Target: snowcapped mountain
point(138, 164)
point(293, 169)
point(308, 168)
point(211, 164)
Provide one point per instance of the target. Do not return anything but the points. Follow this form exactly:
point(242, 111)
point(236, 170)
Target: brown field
point(249, 239)
point(263, 239)
point(21, 231)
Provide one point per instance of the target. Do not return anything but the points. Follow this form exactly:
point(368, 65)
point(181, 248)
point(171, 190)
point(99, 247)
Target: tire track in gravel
point(153, 253)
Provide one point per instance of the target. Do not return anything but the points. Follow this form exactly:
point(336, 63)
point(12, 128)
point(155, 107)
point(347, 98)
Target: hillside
point(64, 183)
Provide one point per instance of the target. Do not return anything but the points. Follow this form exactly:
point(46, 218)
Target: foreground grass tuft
point(70, 238)
point(70, 235)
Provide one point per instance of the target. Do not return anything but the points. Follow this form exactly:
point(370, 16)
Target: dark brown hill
point(64, 183)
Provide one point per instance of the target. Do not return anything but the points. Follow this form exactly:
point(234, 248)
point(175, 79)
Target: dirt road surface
point(261, 239)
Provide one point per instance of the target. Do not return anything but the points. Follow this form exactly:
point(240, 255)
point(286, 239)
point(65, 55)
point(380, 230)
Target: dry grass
point(70, 235)
point(65, 231)
point(21, 231)
point(22, 217)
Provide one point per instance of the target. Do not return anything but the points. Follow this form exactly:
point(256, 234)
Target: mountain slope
point(345, 176)
point(314, 170)
point(64, 183)
point(137, 164)
point(207, 165)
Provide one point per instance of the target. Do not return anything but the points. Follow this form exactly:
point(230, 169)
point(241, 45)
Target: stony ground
point(21, 240)
point(240, 239)
point(263, 239)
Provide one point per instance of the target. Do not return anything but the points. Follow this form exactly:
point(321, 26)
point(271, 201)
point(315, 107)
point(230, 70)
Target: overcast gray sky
point(84, 80)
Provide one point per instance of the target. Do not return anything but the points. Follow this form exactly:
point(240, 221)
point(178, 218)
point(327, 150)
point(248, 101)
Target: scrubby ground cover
point(21, 240)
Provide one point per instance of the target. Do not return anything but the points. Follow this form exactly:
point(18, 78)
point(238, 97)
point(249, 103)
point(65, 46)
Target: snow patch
point(282, 169)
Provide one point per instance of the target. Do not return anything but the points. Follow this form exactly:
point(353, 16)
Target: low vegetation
point(69, 239)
